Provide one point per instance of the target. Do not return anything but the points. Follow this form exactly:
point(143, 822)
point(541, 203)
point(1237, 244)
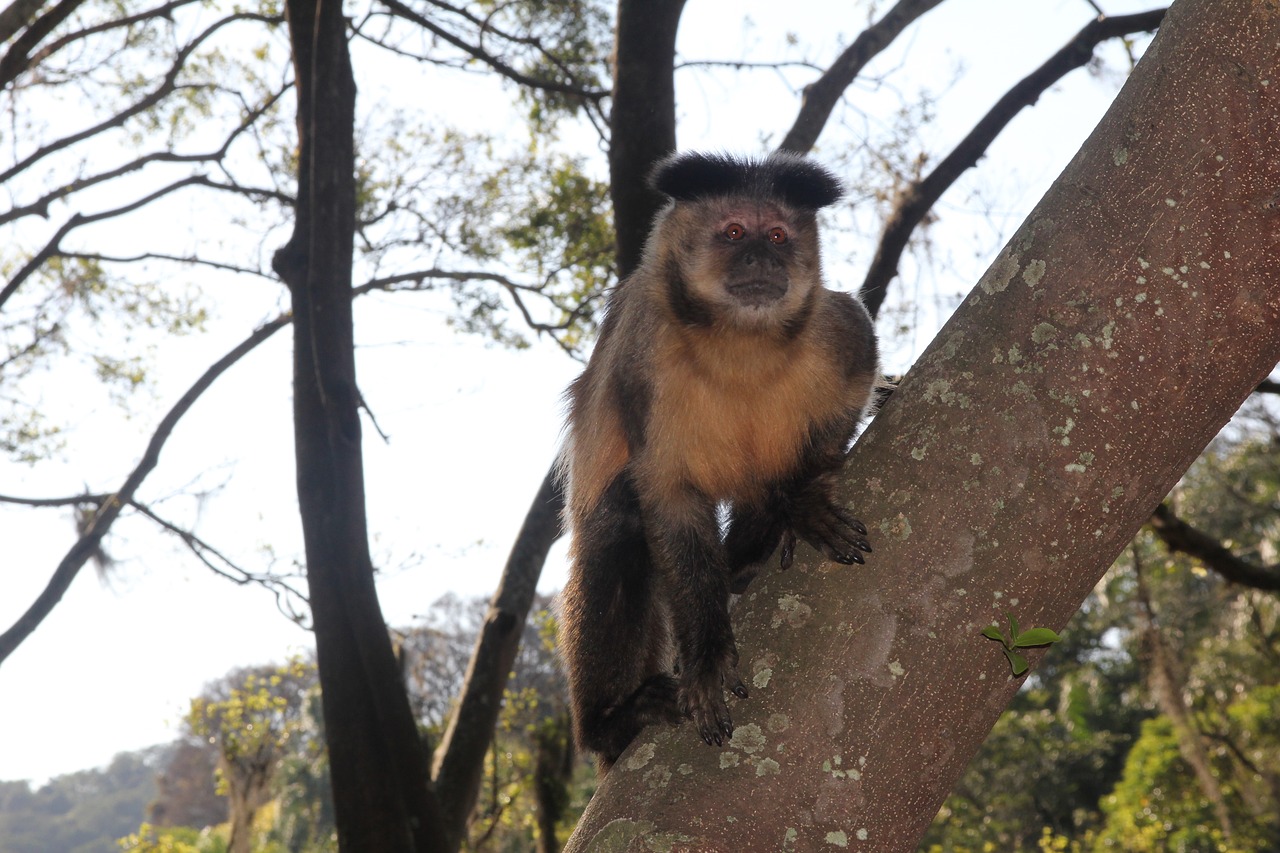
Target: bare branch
point(1178, 535)
point(72, 500)
point(160, 256)
point(740, 65)
point(41, 206)
point(167, 86)
point(223, 566)
point(486, 25)
point(91, 539)
point(51, 248)
point(821, 96)
point(166, 11)
point(918, 198)
point(403, 11)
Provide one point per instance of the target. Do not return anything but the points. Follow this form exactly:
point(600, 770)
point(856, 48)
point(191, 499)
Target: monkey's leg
point(685, 534)
point(753, 534)
point(615, 641)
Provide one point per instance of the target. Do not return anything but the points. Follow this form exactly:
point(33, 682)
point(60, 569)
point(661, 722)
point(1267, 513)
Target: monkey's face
point(750, 264)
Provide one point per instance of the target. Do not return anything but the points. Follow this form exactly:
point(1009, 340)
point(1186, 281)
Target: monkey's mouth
point(757, 292)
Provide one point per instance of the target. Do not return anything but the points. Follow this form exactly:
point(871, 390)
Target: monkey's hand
point(702, 696)
point(818, 520)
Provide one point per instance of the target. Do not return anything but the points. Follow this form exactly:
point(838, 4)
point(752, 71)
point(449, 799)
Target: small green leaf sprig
point(1020, 640)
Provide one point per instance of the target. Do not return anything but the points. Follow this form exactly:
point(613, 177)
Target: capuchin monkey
point(726, 375)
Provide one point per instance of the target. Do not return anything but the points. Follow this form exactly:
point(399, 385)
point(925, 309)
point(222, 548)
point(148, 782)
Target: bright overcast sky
point(472, 427)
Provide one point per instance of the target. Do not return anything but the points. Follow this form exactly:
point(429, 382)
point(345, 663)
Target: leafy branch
point(1019, 639)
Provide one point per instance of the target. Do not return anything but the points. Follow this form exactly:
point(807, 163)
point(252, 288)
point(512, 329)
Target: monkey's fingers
point(710, 715)
point(853, 524)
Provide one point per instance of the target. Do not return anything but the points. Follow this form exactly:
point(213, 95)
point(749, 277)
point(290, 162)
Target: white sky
point(472, 427)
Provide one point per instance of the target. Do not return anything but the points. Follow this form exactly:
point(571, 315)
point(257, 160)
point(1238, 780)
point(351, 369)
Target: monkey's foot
point(702, 700)
point(830, 529)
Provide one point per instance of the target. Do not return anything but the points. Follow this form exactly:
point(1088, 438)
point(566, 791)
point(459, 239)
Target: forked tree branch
point(40, 207)
point(52, 247)
point(167, 86)
point(918, 199)
point(110, 508)
point(401, 10)
point(821, 96)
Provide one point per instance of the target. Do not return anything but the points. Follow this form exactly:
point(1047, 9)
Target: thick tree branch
point(1178, 535)
point(91, 539)
point(872, 688)
point(16, 15)
point(821, 96)
point(16, 58)
point(918, 198)
point(643, 121)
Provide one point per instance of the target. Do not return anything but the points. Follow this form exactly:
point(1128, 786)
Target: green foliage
point(1080, 762)
point(83, 812)
point(149, 839)
point(1019, 639)
point(254, 721)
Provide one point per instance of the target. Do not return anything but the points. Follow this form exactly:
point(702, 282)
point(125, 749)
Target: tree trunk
point(642, 125)
point(643, 130)
point(1116, 333)
point(459, 763)
point(382, 799)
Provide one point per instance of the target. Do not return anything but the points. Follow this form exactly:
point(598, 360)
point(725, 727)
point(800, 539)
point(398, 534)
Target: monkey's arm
point(799, 506)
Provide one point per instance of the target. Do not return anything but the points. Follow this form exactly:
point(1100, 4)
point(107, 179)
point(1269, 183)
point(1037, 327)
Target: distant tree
point(186, 790)
point(251, 716)
point(84, 811)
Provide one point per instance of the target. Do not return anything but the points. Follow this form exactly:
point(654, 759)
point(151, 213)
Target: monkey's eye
point(777, 236)
point(734, 231)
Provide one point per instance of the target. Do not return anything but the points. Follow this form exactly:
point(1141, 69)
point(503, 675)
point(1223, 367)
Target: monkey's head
point(738, 244)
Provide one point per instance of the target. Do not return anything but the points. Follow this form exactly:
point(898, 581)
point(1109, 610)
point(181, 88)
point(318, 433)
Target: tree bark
point(1117, 332)
point(381, 790)
point(642, 123)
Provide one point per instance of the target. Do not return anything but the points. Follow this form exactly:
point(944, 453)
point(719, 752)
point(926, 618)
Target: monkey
point(725, 375)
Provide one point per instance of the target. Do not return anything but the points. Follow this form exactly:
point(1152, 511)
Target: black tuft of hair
point(790, 178)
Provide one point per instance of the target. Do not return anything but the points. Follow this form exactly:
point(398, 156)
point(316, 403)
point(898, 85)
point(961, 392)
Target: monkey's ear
point(790, 178)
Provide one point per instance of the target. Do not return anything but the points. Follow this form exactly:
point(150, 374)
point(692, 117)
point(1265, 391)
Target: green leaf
point(1016, 661)
point(1035, 637)
point(1013, 625)
point(994, 633)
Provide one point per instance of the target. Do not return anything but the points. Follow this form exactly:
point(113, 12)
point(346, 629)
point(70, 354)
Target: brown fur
point(725, 373)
